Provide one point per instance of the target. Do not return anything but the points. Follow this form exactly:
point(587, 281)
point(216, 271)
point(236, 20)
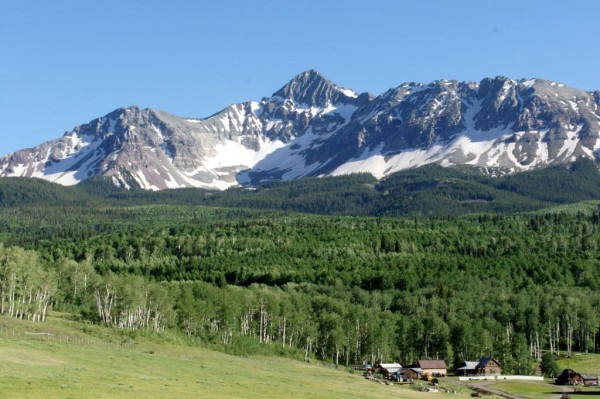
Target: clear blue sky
point(65, 62)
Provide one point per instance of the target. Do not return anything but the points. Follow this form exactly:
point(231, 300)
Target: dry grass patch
point(28, 357)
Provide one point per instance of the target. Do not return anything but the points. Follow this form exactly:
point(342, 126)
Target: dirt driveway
point(484, 386)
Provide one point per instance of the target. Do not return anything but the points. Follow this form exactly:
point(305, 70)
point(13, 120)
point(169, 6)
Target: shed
point(413, 373)
point(590, 379)
point(387, 369)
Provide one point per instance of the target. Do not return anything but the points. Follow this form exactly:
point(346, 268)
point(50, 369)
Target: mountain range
point(312, 127)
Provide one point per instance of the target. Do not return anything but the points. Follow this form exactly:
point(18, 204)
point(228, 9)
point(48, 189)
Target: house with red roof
point(434, 368)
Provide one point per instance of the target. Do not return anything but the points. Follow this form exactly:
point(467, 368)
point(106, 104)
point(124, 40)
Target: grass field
point(66, 359)
point(80, 365)
point(530, 390)
point(582, 363)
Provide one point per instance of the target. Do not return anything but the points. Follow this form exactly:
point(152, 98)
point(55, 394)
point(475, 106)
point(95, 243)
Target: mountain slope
point(431, 190)
point(312, 127)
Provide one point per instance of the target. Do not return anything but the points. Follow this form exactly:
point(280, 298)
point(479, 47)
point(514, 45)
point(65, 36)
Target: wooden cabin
point(569, 377)
point(484, 366)
point(488, 366)
point(572, 377)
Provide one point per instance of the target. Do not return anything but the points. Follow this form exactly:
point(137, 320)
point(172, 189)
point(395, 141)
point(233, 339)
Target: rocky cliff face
point(312, 127)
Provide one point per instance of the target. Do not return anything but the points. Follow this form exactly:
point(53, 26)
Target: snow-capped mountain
point(312, 127)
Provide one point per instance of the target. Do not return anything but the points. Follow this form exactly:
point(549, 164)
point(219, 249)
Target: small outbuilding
point(590, 379)
point(413, 373)
point(388, 369)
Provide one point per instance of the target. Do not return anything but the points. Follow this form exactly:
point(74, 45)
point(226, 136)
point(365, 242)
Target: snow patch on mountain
point(233, 153)
point(348, 92)
point(312, 127)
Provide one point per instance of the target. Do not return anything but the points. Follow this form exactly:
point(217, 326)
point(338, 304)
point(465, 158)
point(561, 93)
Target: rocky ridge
point(312, 127)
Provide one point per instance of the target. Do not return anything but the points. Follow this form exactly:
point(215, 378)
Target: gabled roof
point(416, 369)
point(432, 364)
point(391, 367)
point(485, 360)
point(388, 365)
point(469, 366)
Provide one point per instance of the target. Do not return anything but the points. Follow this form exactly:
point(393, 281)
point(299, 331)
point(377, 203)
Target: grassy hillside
point(65, 359)
point(582, 363)
point(102, 363)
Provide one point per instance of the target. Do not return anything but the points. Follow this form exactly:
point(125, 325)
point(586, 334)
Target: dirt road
point(485, 387)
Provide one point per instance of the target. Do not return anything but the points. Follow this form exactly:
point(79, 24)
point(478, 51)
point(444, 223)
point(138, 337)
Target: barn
point(435, 368)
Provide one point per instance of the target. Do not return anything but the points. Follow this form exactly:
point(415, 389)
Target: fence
point(501, 377)
point(11, 333)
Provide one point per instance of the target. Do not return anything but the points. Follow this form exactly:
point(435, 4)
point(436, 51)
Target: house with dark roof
point(486, 366)
point(569, 377)
point(489, 366)
point(572, 377)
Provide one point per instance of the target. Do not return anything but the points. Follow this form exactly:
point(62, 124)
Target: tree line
point(342, 289)
point(428, 191)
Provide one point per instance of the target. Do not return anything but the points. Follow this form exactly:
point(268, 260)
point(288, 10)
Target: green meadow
point(581, 362)
point(525, 389)
point(68, 362)
point(68, 359)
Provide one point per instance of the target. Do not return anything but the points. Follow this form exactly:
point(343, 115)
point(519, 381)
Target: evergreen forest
point(429, 264)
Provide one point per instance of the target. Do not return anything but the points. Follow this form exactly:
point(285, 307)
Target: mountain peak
point(312, 127)
point(307, 78)
point(309, 74)
point(311, 88)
